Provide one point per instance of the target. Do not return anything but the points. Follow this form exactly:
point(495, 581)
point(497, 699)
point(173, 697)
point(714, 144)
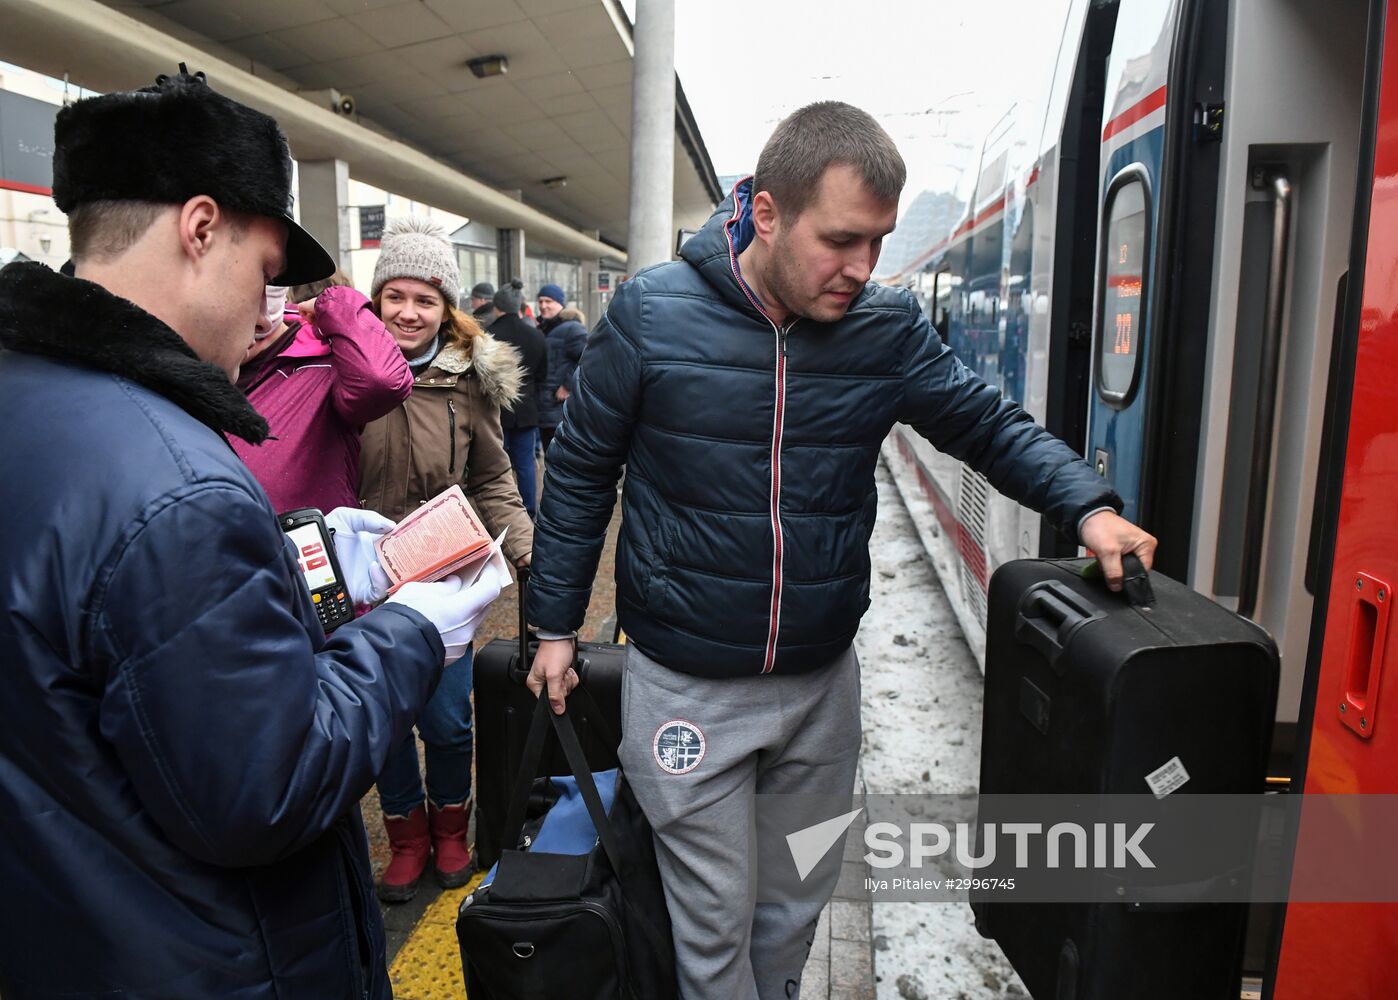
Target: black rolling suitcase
point(503, 709)
point(1087, 692)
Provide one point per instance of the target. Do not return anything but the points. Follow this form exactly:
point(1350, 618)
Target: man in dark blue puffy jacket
point(747, 389)
point(566, 337)
point(182, 750)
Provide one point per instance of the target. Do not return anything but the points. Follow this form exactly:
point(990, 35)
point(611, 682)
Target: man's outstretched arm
point(968, 418)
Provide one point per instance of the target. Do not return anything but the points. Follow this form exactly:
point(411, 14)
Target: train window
point(941, 302)
point(1122, 281)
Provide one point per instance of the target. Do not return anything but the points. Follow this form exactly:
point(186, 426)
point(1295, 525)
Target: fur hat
point(415, 247)
point(173, 141)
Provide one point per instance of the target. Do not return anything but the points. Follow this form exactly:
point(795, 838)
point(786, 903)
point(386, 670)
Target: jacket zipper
point(778, 422)
point(778, 425)
point(451, 429)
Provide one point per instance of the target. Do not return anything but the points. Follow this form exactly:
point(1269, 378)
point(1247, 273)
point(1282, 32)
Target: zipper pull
point(781, 336)
point(451, 430)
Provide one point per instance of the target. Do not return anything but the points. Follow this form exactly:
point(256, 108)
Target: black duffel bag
point(545, 925)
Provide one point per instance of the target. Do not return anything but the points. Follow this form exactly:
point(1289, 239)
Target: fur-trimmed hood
point(495, 363)
point(44, 312)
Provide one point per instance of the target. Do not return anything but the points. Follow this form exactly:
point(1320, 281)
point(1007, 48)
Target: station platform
point(921, 715)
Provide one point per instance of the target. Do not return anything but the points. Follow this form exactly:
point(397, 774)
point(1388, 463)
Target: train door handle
point(1367, 641)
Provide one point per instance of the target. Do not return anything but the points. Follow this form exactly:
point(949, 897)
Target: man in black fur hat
point(182, 750)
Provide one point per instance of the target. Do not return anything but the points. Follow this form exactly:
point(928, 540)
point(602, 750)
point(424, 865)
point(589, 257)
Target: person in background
point(521, 425)
point(565, 332)
point(318, 373)
point(182, 749)
point(483, 302)
point(446, 432)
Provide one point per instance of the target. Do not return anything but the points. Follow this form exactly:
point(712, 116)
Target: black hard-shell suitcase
point(1087, 692)
point(503, 709)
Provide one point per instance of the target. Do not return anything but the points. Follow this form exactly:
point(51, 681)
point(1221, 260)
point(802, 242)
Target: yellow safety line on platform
point(428, 966)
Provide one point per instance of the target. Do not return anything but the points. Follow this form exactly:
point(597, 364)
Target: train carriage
point(1180, 260)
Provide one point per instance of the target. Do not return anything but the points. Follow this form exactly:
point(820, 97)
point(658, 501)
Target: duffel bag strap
point(621, 862)
point(577, 762)
point(582, 774)
point(528, 771)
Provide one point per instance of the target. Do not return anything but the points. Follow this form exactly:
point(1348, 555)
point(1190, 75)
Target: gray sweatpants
point(695, 751)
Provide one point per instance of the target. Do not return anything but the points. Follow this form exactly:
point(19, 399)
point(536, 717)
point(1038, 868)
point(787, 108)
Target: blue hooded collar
point(714, 250)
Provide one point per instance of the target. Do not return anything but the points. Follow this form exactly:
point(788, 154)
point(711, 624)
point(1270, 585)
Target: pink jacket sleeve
point(371, 375)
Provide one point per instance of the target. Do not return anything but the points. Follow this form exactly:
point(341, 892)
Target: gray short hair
point(818, 136)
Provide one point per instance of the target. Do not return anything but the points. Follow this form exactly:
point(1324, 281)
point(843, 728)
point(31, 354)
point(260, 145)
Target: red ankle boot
point(409, 841)
point(452, 862)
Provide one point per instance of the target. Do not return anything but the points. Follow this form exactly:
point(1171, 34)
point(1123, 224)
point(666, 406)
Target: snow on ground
point(922, 730)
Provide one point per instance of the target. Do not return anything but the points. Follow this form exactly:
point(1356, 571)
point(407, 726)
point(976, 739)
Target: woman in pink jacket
point(318, 372)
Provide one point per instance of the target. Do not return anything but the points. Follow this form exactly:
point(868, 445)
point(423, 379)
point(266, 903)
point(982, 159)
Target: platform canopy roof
point(552, 131)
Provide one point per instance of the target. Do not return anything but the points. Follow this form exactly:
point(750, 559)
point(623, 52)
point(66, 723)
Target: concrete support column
point(323, 196)
point(509, 249)
point(651, 235)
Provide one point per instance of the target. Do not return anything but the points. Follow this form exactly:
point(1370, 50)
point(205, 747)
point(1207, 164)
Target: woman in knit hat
point(447, 431)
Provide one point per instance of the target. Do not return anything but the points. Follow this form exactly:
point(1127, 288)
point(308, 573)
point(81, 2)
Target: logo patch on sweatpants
point(678, 746)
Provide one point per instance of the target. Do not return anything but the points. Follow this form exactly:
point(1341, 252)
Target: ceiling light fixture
point(554, 182)
point(485, 66)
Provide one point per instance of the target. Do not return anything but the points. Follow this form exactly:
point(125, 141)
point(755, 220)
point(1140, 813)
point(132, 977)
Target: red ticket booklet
point(440, 538)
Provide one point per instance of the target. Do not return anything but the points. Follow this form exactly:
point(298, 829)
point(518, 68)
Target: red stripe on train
point(970, 551)
point(973, 555)
point(1151, 102)
point(929, 488)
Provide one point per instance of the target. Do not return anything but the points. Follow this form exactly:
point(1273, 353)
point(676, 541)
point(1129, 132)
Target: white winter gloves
point(454, 606)
point(355, 532)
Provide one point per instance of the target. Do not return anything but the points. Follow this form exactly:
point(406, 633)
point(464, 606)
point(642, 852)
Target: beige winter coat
point(448, 431)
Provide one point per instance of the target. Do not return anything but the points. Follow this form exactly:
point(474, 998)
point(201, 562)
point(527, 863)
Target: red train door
point(1344, 950)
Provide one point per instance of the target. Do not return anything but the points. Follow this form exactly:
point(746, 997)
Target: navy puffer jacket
point(565, 338)
point(182, 751)
point(750, 454)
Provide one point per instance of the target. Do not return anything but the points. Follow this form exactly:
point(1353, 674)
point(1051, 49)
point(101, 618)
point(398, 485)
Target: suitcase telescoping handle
point(1050, 612)
point(591, 713)
point(522, 574)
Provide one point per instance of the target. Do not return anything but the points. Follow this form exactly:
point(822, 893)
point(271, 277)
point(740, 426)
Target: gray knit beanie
point(414, 247)
point(510, 298)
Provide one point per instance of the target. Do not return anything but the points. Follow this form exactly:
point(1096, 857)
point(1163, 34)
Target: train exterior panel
point(1162, 261)
point(1133, 141)
point(1179, 322)
point(1347, 949)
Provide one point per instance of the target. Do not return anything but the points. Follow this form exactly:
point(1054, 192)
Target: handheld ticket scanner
point(315, 554)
